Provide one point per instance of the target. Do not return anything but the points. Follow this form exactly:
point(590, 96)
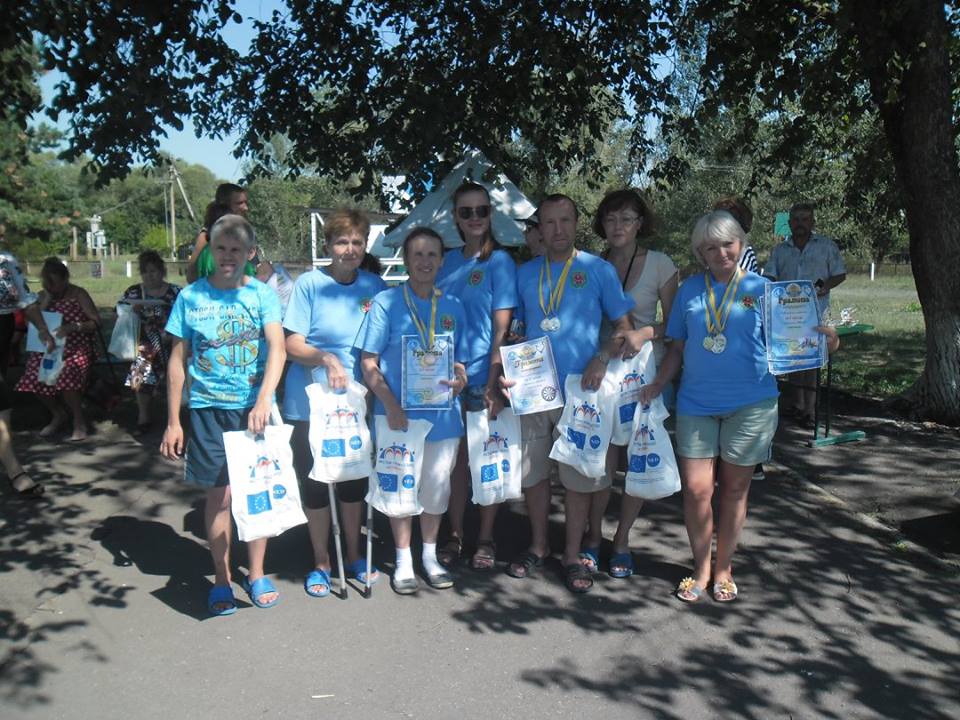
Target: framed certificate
point(421, 372)
point(530, 365)
point(791, 315)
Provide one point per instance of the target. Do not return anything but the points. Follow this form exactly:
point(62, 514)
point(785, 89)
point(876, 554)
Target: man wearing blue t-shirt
point(564, 295)
point(229, 325)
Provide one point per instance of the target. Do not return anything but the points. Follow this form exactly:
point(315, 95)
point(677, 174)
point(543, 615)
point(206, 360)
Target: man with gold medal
point(564, 295)
point(727, 401)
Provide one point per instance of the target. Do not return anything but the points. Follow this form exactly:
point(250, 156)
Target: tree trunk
point(916, 107)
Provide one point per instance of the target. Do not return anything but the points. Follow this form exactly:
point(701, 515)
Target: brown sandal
point(485, 556)
point(449, 553)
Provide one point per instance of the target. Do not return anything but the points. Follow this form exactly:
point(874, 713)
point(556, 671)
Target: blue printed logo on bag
point(594, 441)
point(505, 465)
point(342, 417)
point(576, 437)
point(333, 448)
point(627, 412)
point(355, 442)
point(488, 473)
point(259, 503)
point(408, 482)
point(653, 460)
point(388, 482)
point(279, 492)
point(638, 463)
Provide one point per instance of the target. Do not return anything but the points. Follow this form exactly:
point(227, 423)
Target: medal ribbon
point(717, 318)
point(556, 293)
point(426, 336)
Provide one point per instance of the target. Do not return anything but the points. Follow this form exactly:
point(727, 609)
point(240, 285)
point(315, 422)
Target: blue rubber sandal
point(317, 577)
point(621, 565)
point(357, 570)
point(257, 589)
point(218, 595)
point(592, 555)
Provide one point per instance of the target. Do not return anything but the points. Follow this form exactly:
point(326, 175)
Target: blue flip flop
point(357, 570)
point(257, 589)
point(317, 577)
point(624, 562)
point(593, 555)
point(221, 594)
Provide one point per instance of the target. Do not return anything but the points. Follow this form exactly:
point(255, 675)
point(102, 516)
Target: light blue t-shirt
point(225, 331)
point(482, 287)
point(328, 315)
point(382, 333)
point(717, 384)
point(593, 292)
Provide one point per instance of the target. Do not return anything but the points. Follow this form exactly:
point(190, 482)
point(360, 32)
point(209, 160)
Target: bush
point(156, 238)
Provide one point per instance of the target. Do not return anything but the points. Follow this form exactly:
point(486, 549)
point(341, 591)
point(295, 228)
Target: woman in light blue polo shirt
point(727, 401)
point(417, 308)
point(484, 278)
point(324, 314)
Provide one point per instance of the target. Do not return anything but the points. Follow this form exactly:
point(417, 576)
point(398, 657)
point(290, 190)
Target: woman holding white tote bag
point(412, 320)
point(326, 309)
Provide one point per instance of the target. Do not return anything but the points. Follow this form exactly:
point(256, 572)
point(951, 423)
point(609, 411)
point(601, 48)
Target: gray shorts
point(742, 437)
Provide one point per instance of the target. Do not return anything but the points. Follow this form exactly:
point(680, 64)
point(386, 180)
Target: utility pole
point(173, 216)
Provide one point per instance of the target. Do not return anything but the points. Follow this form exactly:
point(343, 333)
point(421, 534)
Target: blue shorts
point(206, 463)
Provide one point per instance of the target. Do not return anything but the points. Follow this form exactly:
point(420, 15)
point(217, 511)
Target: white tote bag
point(396, 493)
point(493, 447)
point(125, 340)
point(339, 436)
point(265, 496)
point(651, 463)
point(622, 384)
point(51, 364)
point(585, 429)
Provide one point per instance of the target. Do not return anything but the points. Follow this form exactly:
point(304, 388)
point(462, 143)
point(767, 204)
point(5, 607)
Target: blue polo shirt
point(382, 333)
point(718, 384)
point(482, 287)
point(328, 315)
point(593, 292)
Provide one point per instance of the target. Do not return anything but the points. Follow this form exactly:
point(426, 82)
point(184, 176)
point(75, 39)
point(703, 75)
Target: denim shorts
point(742, 437)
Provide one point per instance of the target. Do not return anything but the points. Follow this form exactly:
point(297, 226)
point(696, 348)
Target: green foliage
point(156, 238)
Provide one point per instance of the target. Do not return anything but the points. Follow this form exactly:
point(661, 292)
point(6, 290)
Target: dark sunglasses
point(465, 213)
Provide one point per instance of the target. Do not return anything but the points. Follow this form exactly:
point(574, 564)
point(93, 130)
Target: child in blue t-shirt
point(229, 326)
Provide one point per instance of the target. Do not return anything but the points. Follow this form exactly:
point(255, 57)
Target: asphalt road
point(103, 615)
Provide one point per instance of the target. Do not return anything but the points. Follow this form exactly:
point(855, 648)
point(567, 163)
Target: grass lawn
point(879, 364)
point(886, 361)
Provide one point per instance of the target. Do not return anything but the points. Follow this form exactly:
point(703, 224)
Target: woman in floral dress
point(151, 299)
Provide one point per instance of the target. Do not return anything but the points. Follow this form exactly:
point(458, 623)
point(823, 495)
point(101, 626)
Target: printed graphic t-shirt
point(224, 329)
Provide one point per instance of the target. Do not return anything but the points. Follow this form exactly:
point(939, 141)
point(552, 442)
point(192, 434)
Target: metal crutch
point(369, 531)
point(335, 527)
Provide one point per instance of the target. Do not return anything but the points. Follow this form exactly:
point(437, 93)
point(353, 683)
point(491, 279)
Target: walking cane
point(335, 523)
point(369, 531)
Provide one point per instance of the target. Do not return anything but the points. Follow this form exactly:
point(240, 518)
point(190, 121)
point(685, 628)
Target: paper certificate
point(53, 321)
point(791, 315)
point(421, 373)
point(530, 365)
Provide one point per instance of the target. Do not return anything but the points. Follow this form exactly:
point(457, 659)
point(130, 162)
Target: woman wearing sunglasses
point(484, 278)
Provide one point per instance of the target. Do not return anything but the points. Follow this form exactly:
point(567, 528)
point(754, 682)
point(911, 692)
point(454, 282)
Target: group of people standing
point(343, 324)
point(228, 332)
